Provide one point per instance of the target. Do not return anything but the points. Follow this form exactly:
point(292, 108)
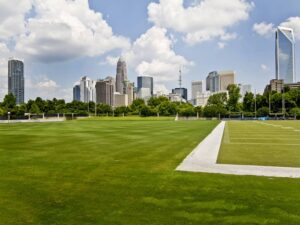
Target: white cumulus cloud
point(221, 45)
point(158, 87)
point(203, 20)
point(264, 29)
point(264, 67)
point(62, 30)
point(12, 17)
point(153, 54)
point(294, 23)
point(267, 29)
point(44, 87)
point(4, 55)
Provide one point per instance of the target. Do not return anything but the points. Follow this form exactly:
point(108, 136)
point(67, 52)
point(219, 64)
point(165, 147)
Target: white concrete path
point(204, 159)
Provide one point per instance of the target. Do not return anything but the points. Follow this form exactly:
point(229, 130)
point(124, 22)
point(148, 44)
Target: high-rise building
point(285, 55)
point(176, 98)
point(130, 92)
point(87, 90)
point(275, 85)
point(105, 90)
point(226, 78)
point(244, 88)
point(76, 93)
point(213, 82)
point(219, 81)
point(181, 92)
point(145, 87)
point(202, 99)
point(121, 77)
point(196, 89)
point(16, 79)
point(120, 99)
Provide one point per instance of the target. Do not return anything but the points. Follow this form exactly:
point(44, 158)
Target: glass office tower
point(145, 82)
point(285, 55)
point(16, 79)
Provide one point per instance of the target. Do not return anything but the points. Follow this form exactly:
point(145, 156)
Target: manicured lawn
point(122, 172)
point(268, 143)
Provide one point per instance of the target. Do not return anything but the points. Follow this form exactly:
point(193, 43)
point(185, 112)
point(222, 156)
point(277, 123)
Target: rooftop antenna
point(180, 84)
point(180, 78)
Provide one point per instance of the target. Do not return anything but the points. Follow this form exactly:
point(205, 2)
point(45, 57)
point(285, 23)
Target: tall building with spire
point(121, 78)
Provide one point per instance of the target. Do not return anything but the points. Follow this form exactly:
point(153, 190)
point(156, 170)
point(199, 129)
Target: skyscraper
point(285, 55)
point(121, 77)
point(16, 79)
point(130, 92)
point(244, 88)
point(226, 78)
point(76, 92)
point(196, 89)
point(145, 86)
point(105, 90)
point(87, 90)
point(181, 91)
point(219, 81)
point(213, 82)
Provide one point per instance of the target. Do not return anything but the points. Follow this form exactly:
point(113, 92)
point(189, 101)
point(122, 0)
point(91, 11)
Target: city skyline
point(153, 45)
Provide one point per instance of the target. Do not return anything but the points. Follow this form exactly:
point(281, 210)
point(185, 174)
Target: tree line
point(218, 105)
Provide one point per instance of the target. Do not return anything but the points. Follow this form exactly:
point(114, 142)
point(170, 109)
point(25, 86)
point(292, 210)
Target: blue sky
point(230, 45)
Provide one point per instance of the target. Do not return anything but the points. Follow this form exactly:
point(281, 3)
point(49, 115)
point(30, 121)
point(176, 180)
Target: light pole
point(255, 103)
point(283, 103)
point(8, 117)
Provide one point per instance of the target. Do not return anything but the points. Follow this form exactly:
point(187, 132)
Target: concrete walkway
point(204, 159)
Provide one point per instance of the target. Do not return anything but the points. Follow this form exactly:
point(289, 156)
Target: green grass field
point(122, 172)
point(267, 143)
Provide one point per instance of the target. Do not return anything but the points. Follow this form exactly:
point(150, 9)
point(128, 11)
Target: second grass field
point(265, 143)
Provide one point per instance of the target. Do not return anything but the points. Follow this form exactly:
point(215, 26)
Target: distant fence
point(227, 118)
point(67, 116)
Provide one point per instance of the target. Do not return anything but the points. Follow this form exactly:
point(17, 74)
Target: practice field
point(122, 172)
point(266, 143)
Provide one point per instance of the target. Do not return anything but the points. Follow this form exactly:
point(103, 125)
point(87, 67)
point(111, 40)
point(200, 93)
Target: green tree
point(214, 111)
point(295, 112)
point(21, 109)
point(216, 105)
point(9, 101)
point(103, 109)
point(34, 109)
point(199, 110)
point(219, 99)
point(167, 108)
point(122, 110)
point(40, 103)
point(156, 101)
point(147, 111)
point(186, 110)
point(248, 102)
point(234, 96)
point(263, 111)
point(2, 111)
point(261, 101)
point(137, 105)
